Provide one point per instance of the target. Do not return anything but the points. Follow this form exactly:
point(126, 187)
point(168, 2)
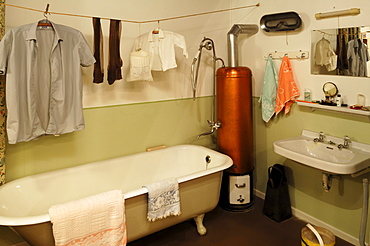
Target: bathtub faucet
point(214, 126)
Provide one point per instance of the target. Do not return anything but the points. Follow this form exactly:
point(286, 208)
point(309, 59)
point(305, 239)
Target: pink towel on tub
point(287, 90)
point(163, 199)
point(91, 221)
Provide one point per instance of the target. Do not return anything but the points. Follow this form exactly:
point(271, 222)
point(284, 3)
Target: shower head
point(208, 45)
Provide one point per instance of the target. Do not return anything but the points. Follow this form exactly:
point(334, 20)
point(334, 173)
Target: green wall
point(111, 132)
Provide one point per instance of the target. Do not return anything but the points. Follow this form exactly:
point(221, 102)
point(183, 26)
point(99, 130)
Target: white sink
point(323, 155)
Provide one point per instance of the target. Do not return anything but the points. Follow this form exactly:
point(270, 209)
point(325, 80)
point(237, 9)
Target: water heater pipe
point(232, 41)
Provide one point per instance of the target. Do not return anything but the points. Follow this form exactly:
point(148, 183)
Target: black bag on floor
point(277, 202)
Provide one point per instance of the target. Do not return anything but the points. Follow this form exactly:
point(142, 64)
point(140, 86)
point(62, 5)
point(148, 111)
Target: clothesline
point(131, 21)
point(339, 34)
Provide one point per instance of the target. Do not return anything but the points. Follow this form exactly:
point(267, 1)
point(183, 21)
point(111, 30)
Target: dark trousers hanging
point(115, 61)
point(98, 52)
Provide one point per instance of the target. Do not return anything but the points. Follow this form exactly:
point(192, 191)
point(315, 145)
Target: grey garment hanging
point(357, 55)
point(287, 21)
point(47, 69)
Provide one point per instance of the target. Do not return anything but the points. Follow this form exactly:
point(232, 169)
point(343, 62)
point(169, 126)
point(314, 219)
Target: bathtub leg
point(200, 227)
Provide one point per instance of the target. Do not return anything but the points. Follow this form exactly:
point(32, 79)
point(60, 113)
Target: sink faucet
point(214, 126)
point(321, 138)
point(345, 144)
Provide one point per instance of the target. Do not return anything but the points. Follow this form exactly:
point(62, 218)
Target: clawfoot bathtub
point(25, 202)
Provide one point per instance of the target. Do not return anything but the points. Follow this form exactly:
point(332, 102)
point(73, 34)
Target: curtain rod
point(131, 21)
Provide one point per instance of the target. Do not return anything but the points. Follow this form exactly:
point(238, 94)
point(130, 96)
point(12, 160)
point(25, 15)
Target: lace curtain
point(2, 104)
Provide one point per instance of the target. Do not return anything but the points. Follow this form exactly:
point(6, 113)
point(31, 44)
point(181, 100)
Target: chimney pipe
point(232, 41)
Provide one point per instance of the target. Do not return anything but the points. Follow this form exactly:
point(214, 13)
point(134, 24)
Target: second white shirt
point(161, 48)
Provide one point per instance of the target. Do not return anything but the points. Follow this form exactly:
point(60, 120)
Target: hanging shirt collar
point(33, 28)
point(160, 35)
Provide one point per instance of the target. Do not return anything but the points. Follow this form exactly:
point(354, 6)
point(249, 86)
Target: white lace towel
point(91, 221)
point(163, 199)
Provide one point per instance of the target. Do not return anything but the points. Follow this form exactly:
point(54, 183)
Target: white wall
point(254, 48)
point(172, 84)
point(175, 83)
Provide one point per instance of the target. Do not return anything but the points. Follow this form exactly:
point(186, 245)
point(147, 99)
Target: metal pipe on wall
point(232, 41)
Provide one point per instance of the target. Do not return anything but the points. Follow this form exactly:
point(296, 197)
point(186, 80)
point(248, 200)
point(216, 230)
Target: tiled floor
point(228, 229)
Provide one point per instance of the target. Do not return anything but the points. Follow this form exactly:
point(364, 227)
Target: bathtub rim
point(30, 220)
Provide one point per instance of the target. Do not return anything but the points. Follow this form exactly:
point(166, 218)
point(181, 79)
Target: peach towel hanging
point(92, 221)
point(287, 90)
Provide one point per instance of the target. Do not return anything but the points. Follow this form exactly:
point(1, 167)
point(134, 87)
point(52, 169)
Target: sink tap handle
point(321, 137)
point(347, 140)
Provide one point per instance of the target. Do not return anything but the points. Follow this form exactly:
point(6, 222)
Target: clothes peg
point(46, 13)
point(45, 23)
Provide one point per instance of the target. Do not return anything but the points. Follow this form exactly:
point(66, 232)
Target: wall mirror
point(342, 51)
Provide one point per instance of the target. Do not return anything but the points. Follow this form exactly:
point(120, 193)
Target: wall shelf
point(342, 110)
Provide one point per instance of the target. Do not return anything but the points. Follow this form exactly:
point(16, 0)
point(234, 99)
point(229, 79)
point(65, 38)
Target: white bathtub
point(24, 203)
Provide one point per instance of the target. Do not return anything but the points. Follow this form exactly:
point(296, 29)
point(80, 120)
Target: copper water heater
point(235, 137)
point(234, 111)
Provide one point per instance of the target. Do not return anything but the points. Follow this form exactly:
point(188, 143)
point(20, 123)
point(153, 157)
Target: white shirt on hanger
point(161, 48)
point(325, 55)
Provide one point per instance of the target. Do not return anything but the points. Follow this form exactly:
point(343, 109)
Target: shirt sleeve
point(86, 56)
point(5, 47)
point(179, 41)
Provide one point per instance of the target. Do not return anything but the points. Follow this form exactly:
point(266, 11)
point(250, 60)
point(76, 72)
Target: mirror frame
point(333, 87)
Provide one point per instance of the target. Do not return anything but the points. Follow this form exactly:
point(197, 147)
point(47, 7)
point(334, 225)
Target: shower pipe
point(208, 44)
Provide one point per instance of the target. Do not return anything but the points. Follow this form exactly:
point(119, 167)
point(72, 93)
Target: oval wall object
point(287, 21)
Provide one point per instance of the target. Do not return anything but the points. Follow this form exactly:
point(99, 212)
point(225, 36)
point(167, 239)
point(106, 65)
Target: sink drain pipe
point(365, 207)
